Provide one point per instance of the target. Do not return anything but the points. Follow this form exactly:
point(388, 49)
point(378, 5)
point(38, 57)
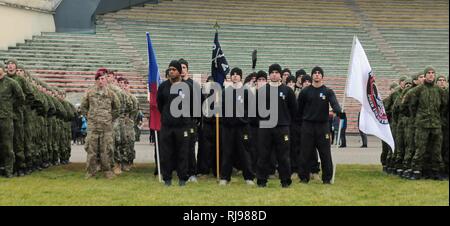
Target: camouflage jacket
point(11, 94)
point(428, 101)
point(101, 106)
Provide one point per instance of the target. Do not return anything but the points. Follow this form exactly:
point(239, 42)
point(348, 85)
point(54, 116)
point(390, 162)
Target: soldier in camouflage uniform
point(129, 153)
point(442, 83)
point(401, 117)
point(41, 132)
point(31, 152)
point(118, 123)
point(67, 133)
point(385, 148)
point(20, 165)
point(10, 95)
point(101, 107)
point(27, 123)
point(428, 101)
point(389, 103)
point(60, 114)
point(410, 127)
point(49, 121)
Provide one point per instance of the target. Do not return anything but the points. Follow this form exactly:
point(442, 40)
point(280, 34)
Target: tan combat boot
point(110, 175)
point(117, 169)
point(89, 175)
point(126, 167)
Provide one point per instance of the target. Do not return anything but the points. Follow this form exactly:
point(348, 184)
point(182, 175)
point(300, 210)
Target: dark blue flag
point(219, 65)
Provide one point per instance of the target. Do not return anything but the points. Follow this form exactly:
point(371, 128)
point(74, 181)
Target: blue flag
point(219, 65)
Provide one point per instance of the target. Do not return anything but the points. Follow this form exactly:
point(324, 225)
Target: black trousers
point(295, 146)
point(192, 162)
point(363, 138)
point(278, 138)
point(343, 138)
point(206, 156)
point(236, 141)
point(296, 136)
point(174, 146)
point(253, 146)
point(315, 136)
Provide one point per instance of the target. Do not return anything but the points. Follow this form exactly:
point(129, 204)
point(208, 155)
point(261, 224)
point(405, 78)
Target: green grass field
point(359, 185)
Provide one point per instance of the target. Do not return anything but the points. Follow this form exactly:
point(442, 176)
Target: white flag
point(361, 86)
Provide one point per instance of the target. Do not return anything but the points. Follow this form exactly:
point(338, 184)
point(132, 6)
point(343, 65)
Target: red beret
point(100, 72)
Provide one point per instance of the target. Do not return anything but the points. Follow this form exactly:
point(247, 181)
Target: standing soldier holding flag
point(174, 128)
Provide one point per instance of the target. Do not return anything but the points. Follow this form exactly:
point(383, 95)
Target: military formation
point(35, 123)
point(247, 141)
point(111, 111)
point(417, 108)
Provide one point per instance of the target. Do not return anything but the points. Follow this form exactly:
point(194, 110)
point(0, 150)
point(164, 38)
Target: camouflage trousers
point(428, 142)
point(410, 146)
point(27, 141)
point(18, 141)
point(7, 156)
point(445, 147)
point(117, 134)
point(99, 144)
point(127, 138)
point(42, 136)
point(386, 152)
point(400, 143)
point(64, 143)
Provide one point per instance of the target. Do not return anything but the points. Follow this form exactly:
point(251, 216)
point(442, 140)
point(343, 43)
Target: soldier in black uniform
point(174, 143)
point(195, 119)
point(235, 135)
point(313, 105)
point(275, 139)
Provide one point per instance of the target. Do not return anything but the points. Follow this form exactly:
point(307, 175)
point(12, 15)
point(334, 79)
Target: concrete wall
point(76, 16)
point(20, 24)
point(45, 5)
point(79, 15)
point(107, 6)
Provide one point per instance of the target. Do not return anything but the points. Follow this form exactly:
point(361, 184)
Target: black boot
point(437, 176)
point(416, 175)
point(407, 174)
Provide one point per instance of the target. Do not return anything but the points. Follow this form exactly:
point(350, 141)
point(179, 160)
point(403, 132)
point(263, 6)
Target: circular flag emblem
point(375, 101)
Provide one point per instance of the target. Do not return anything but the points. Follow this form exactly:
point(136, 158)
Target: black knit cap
point(236, 70)
point(306, 78)
point(183, 61)
point(291, 78)
point(300, 72)
point(286, 70)
point(317, 68)
point(260, 74)
point(274, 67)
point(176, 64)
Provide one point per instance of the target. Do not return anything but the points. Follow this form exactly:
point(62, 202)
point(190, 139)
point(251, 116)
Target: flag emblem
point(375, 101)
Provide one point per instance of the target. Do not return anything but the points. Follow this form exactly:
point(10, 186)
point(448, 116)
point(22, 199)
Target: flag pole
point(157, 156)
point(343, 106)
point(345, 91)
point(216, 26)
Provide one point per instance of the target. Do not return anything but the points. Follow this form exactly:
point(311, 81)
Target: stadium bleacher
point(294, 33)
